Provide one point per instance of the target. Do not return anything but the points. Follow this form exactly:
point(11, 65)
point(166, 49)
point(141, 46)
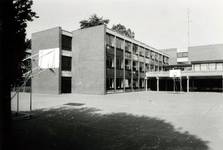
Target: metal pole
point(174, 84)
point(30, 98)
point(222, 83)
point(180, 84)
point(146, 84)
point(157, 84)
point(188, 84)
point(30, 94)
point(17, 101)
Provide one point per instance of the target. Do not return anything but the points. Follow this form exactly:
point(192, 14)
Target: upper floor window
point(110, 62)
point(147, 53)
point(66, 63)
point(141, 51)
point(119, 43)
point(128, 46)
point(135, 49)
point(110, 39)
point(66, 42)
point(182, 54)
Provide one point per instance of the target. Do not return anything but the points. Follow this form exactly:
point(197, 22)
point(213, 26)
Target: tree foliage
point(21, 13)
point(94, 20)
point(123, 30)
point(14, 15)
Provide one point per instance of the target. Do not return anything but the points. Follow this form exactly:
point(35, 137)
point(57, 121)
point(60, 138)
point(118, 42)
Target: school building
point(201, 70)
point(94, 60)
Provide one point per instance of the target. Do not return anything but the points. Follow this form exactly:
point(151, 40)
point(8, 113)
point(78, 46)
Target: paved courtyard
point(200, 114)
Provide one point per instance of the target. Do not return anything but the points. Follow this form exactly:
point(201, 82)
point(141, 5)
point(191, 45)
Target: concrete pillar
point(188, 84)
point(131, 67)
point(222, 83)
point(124, 67)
point(146, 84)
point(115, 65)
point(157, 83)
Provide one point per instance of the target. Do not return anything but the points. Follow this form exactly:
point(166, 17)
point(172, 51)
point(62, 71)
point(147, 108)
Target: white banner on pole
point(49, 58)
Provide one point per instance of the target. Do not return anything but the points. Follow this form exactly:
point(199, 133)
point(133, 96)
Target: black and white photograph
point(111, 74)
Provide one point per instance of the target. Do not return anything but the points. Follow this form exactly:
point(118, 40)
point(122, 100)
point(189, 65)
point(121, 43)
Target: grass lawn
point(69, 127)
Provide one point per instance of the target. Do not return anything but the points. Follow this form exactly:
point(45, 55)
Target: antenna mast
point(188, 28)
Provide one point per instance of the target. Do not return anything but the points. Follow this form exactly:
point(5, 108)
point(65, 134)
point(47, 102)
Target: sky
point(158, 23)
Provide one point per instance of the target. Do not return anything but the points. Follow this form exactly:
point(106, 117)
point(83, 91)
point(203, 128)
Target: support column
point(115, 65)
point(188, 84)
point(124, 68)
point(222, 83)
point(131, 67)
point(138, 73)
point(146, 84)
point(157, 83)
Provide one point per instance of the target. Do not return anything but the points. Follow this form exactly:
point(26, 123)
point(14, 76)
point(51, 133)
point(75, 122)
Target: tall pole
point(30, 98)
point(146, 83)
point(188, 28)
point(17, 100)
point(174, 84)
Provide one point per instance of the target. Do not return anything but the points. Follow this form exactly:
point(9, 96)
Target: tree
point(14, 16)
point(123, 30)
point(94, 20)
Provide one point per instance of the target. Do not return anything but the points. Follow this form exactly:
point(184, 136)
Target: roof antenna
point(188, 28)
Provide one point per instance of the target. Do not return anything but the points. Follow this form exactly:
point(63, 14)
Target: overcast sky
point(158, 23)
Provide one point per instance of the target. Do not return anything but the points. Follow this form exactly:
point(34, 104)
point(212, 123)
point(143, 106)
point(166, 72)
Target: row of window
point(109, 51)
point(136, 49)
point(182, 54)
point(135, 67)
point(120, 83)
point(208, 67)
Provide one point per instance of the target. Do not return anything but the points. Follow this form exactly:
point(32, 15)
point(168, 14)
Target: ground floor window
point(66, 85)
point(109, 83)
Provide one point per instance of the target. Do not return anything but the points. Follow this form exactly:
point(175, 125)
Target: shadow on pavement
point(86, 129)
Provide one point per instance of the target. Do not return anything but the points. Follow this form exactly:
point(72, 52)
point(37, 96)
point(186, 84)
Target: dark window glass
point(119, 43)
point(109, 39)
point(66, 63)
point(128, 46)
point(65, 84)
point(66, 42)
point(109, 62)
point(135, 49)
point(182, 54)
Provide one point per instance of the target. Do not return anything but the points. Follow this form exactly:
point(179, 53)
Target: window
point(119, 63)
point(197, 67)
point(109, 39)
point(110, 62)
point(135, 49)
point(66, 63)
point(141, 51)
point(219, 66)
point(119, 43)
point(109, 83)
point(119, 83)
point(128, 46)
point(128, 55)
point(66, 42)
point(141, 67)
point(135, 66)
point(182, 54)
point(204, 67)
point(212, 67)
point(65, 84)
point(127, 64)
